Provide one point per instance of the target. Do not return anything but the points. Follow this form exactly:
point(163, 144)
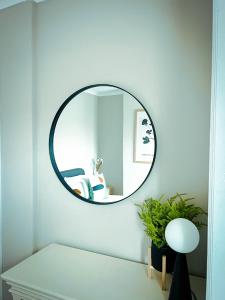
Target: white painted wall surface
point(16, 127)
point(216, 246)
point(160, 52)
point(16, 133)
point(0, 209)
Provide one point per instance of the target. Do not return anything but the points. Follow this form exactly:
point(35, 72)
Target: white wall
point(0, 214)
point(75, 138)
point(216, 246)
point(16, 133)
point(160, 51)
point(110, 140)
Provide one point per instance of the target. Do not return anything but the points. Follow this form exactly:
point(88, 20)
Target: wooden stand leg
point(164, 273)
point(150, 268)
point(149, 262)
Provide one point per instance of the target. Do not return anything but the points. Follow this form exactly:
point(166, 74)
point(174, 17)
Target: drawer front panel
point(23, 294)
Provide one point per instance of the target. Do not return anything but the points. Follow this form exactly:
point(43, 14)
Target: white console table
point(63, 273)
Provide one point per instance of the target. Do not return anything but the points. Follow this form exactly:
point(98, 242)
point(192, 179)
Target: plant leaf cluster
point(157, 213)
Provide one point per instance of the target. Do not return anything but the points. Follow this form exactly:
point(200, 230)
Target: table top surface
point(69, 273)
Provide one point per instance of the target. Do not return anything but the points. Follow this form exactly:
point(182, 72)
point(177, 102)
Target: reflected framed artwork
point(144, 140)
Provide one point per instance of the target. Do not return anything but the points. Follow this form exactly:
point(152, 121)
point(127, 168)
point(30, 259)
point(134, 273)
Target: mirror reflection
point(103, 144)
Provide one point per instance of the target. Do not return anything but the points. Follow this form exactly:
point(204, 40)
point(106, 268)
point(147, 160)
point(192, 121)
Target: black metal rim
point(51, 142)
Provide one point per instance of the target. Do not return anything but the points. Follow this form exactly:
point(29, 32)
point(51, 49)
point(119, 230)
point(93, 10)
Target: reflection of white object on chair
point(79, 185)
point(99, 187)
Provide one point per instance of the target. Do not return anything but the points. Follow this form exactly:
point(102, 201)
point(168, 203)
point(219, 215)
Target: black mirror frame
point(51, 142)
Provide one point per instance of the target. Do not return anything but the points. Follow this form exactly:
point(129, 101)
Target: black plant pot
point(157, 254)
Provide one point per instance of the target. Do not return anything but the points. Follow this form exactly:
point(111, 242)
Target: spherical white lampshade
point(182, 235)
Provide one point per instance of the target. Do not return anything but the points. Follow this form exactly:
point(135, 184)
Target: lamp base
point(180, 287)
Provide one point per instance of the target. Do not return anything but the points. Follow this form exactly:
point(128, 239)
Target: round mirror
point(102, 144)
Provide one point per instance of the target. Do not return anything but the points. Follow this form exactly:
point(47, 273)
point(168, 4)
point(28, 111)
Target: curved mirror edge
point(92, 191)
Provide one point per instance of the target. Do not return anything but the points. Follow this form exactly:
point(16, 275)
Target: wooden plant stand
point(151, 268)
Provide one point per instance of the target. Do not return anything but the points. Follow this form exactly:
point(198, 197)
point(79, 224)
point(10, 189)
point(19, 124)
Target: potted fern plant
point(156, 214)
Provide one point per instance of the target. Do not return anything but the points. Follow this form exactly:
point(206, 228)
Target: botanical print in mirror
point(144, 143)
point(92, 142)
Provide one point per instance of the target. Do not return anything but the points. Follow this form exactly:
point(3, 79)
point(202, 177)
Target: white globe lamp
point(183, 237)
